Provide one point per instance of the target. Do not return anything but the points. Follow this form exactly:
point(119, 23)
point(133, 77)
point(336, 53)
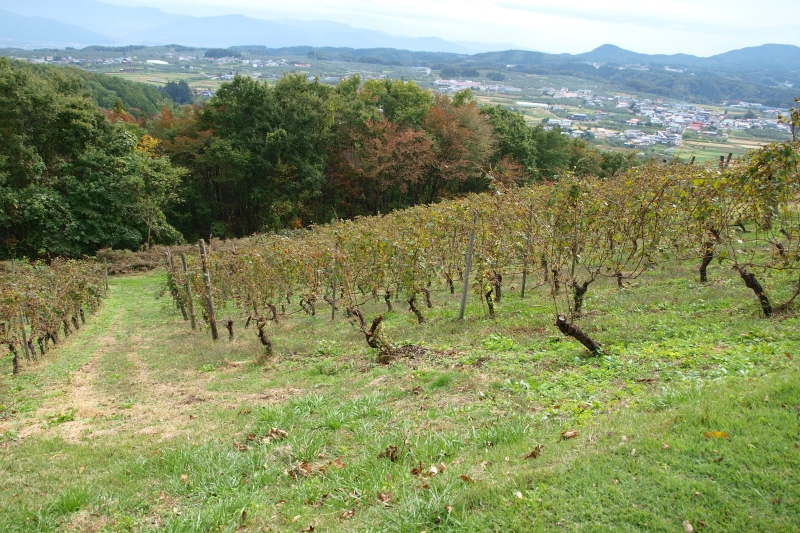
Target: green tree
point(179, 92)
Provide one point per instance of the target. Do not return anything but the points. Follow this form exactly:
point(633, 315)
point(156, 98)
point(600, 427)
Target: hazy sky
point(699, 27)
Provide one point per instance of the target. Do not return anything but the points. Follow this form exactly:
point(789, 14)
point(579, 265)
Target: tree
point(155, 183)
point(450, 71)
point(515, 139)
point(793, 120)
point(64, 184)
point(216, 53)
point(404, 103)
point(179, 92)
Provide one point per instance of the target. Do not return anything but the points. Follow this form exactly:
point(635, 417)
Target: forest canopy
point(86, 163)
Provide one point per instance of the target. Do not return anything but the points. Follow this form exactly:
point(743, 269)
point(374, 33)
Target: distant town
point(598, 115)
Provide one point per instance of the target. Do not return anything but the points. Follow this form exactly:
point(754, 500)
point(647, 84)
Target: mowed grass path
point(137, 424)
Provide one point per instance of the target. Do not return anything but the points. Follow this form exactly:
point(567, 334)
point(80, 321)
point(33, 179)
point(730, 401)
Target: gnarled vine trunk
point(412, 306)
point(371, 334)
point(752, 283)
point(708, 256)
point(15, 361)
point(387, 297)
point(579, 290)
point(498, 286)
point(263, 336)
point(571, 330)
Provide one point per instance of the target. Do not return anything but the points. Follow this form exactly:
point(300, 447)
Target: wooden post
point(24, 332)
point(333, 273)
point(212, 316)
point(467, 268)
point(189, 298)
point(527, 248)
point(105, 272)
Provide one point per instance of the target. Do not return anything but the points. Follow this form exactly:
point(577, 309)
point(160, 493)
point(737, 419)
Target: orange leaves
point(537, 451)
point(569, 434)
point(715, 434)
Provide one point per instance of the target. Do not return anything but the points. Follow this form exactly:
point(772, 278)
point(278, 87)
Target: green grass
point(138, 424)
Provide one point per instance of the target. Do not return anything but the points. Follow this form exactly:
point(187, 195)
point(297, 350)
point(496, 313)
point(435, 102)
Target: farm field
point(692, 413)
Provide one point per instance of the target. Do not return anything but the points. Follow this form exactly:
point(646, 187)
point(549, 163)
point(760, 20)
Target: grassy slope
point(131, 424)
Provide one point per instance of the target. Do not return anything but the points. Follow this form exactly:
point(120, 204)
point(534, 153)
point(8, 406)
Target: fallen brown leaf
point(537, 451)
point(570, 434)
point(301, 469)
point(338, 463)
point(240, 447)
point(384, 497)
point(274, 434)
point(250, 437)
point(348, 514)
point(391, 453)
point(467, 479)
point(81, 469)
point(718, 459)
point(417, 470)
point(184, 478)
point(715, 434)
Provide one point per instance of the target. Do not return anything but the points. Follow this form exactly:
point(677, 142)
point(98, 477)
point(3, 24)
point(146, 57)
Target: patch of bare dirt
point(269, 397)
point(85, 521)
point(80, 396)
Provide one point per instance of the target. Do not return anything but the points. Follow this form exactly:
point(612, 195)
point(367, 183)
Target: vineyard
point(559, 237)
point(425, 370)
point(38, 300)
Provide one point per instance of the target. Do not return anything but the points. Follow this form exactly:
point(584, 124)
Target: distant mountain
point(777, 56)
point(19, 30)
point(105, 19)
point(145, 25)
point(230, 30)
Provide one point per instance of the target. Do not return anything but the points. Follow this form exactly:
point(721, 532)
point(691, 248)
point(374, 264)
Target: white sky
point(699, 27)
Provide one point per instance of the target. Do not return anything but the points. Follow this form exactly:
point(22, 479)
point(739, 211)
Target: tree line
point(79, 172)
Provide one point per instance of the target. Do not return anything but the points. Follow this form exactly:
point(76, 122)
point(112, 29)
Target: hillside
point(137, 98)
point(136, 423)
point(759, 74)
